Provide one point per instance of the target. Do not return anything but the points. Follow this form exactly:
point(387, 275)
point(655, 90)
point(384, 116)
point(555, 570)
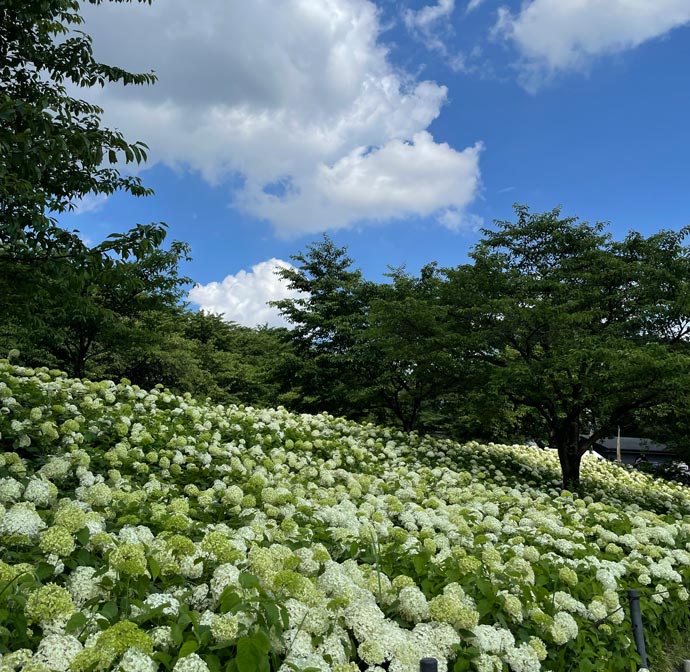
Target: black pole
point(428, 665)
point(638, 630)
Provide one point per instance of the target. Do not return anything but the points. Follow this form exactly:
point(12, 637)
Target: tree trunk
point(567, 440)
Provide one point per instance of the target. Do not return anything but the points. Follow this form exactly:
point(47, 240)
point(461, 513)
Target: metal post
point(428, 665)
point(638, 631)
point(686, 665)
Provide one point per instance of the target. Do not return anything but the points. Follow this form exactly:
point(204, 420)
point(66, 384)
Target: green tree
point(53, 148)
point(55, 151)
point(400, 351)
point(326, 317)
point(363, 349)
point(578, 328)
point(82, 310)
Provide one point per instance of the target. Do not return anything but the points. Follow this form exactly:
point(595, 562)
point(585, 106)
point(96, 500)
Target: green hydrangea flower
point(218, 544)
point(448, 609)
point(71, 517)
point(93, 659)
point(124, 635)
point(224, 627)
point(297, 586)
point(98, 495)
point(179, 545)
point(57, 540)
point(49, 603)
point(129, 559)
point(568, 576)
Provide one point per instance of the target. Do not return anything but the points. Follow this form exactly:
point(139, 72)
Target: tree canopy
point(54, 149)
point(578, 328)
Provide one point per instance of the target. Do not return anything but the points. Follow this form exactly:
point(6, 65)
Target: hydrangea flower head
point(57, 540)
point(49, 604)
point(129, 559)
point(71, 517)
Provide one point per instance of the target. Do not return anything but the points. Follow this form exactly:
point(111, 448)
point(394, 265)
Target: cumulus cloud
point(243, 297)
point(455, 220)
point(399, 179)
point(557, 35)
point(297, 99)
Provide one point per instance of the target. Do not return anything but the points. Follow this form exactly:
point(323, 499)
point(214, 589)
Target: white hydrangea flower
point(564, 628)
point(155, 600)
point(190, 663)
point(223, 576)
point(134, 660)
point(57, 651)
point(83, 586)
point(40, 492)
point(10, 490)
point(21, 520)
point(413, 604)
point(493, 639)
point(522, 659)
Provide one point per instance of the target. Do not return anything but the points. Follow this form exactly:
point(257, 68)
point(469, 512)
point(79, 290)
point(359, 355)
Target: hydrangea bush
point(144, 531)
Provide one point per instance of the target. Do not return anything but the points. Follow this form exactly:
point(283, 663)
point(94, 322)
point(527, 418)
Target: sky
point(400, 128)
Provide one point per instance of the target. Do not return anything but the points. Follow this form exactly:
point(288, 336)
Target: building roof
point(634, 445)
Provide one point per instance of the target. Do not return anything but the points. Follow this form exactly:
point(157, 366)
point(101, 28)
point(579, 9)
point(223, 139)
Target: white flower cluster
point(383, 548)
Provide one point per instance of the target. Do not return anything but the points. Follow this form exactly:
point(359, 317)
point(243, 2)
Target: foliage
point(54, 150)
point(368, 350)
point(83, 310)
point(326, 318)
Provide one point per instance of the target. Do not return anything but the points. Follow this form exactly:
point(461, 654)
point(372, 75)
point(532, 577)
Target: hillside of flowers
point(144, 531)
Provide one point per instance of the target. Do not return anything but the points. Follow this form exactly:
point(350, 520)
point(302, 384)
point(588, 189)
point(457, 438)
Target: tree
point(326, 316)
point(367, 350)
point(400, 351)
point(53, 147)
point(58, 296)
point(578, 328)
point(54, 150)
point(83, 310)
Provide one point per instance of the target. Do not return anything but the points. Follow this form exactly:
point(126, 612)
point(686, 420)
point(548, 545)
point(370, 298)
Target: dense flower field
point(141, 530)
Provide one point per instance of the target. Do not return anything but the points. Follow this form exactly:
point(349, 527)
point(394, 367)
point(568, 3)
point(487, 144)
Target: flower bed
point(140, 530)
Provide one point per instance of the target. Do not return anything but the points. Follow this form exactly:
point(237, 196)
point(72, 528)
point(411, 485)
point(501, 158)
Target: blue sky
point(398, 127)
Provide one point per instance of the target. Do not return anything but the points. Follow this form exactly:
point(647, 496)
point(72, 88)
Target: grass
point(676, 650)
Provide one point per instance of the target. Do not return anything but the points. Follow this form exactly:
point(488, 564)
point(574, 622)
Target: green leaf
point(154, 568)
point(250, 654)
point(249, 581)
point(109, 610)
point(177, 634)
point(83, 536)
point(272, 613)
point(44, 570)
point(163, 657)
point(212, 661)
point(76, 622)
point(229, 600)
point(190, 646)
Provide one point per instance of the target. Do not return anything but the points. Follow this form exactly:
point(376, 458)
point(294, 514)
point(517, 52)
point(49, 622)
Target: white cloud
point(397, 180)
point(557, 35)
point(243, 297)
point(456, 220)
point(472, 5)
point(423, 18)
point(90, 203)
point(430, 25)
point(283, 95)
